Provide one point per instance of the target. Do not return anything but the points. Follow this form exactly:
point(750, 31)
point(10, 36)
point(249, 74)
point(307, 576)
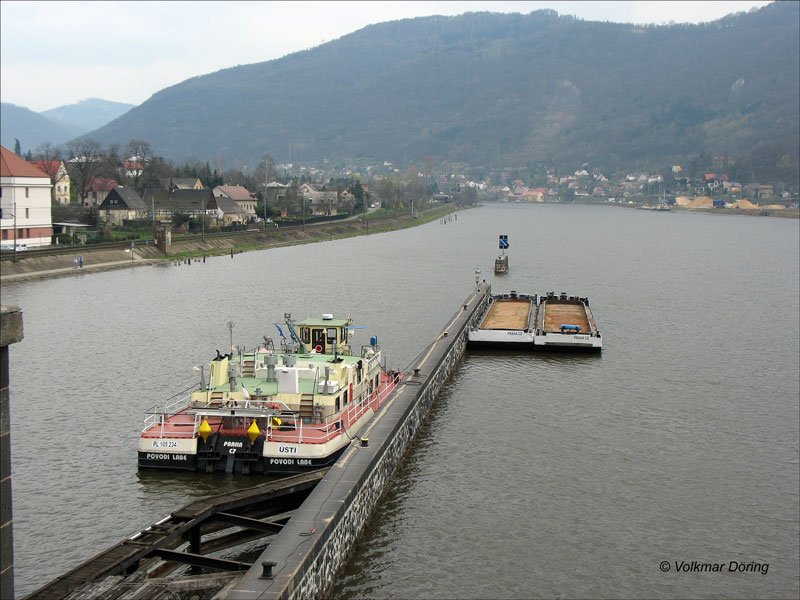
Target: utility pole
point(266, 182)
point(15, 230)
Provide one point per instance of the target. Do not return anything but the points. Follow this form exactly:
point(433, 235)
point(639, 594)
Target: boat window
point(337, 404)
point(305, 335)
point(345, 398)
point(331, 335)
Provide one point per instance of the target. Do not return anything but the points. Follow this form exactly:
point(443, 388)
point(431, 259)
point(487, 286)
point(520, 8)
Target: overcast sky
point(57, 53)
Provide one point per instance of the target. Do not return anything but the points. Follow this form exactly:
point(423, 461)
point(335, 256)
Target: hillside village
point(47, 200)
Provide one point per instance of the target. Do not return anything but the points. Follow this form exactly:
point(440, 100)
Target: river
point(535, 476)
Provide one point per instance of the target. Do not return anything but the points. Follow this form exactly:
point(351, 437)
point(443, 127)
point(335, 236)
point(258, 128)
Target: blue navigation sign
point(503, 242)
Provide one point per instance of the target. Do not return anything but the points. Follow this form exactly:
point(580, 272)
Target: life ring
point(318, 348)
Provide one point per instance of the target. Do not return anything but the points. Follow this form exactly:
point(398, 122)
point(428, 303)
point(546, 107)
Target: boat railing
point(157, 414)
point(378, 396)
point(329, 427)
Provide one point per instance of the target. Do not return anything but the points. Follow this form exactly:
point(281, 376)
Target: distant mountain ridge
point(491, 89)
point(55, 126)
point(88, 114)
point(31, 128)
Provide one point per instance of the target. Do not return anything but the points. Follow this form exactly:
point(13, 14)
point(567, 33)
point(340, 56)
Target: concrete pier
point(303, 559)
point(10, 333)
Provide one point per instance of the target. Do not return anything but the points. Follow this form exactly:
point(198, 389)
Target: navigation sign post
point(501, 262)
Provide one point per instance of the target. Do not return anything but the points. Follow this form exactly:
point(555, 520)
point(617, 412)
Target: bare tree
point(427, 170)
point(386, 189)
point(138, 154)
point(85, 161)
point(49, 160)
point(264, 173)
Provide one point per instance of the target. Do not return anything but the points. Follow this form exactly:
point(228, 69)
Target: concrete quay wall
point(305, 557)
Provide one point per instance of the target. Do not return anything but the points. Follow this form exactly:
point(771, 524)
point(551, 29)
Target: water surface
point(535, 476)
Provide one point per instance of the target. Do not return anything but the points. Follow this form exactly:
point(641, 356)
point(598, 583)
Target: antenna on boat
point(477, 276)
point(231, 325)
point(202, 377)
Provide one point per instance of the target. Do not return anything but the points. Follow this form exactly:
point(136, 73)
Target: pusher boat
point(272, 411)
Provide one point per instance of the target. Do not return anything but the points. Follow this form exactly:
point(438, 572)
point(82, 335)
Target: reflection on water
point(194, 485)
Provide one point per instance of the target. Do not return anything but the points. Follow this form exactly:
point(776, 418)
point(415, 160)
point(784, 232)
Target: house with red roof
point(239, 194)
point(98, 189)
point(25, 209)
point(59, 177)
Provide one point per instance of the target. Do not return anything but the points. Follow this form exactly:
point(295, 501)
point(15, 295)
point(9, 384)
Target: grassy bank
point(318, 232)
point(28, 267)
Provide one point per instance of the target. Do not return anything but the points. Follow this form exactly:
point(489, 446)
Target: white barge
point(533, 322)
point(508, 321)
point(566, 322)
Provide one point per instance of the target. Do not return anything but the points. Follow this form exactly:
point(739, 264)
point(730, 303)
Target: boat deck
point(556, 315)
point(292, 428)
point(508, 314)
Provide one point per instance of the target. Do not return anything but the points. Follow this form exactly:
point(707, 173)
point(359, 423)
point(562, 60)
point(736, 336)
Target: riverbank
point(82, 260)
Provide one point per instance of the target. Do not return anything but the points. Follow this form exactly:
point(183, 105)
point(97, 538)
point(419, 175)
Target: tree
point(50, 162)
point(357, 190)
point(468, 196)
point(386, 189)
point(17, 148)
point(264, 173)
point(85, 162)
point(292, 197)
point(138, 154)
point(157, 168)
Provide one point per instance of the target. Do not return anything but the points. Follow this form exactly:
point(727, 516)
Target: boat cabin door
point(318, 339)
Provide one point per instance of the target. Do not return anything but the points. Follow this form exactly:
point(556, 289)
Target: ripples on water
point(535, 476)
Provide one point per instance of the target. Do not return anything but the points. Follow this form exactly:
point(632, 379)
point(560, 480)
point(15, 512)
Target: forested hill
point(498, 89)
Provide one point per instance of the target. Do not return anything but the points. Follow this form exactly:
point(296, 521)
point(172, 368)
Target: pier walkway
point(155, 552)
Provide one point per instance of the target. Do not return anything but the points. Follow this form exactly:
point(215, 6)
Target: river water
point(535, 476)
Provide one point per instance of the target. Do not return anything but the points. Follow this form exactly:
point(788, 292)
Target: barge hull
point(266, 465)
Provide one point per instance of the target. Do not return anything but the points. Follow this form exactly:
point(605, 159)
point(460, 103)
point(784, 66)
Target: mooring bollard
point(267, 565)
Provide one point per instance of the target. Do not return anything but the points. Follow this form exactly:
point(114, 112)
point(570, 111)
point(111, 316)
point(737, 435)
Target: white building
point(25, 216)
point(239, 194)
